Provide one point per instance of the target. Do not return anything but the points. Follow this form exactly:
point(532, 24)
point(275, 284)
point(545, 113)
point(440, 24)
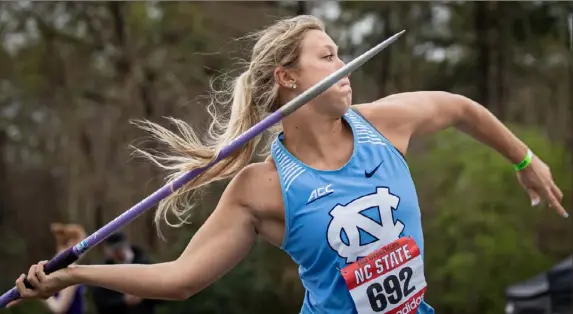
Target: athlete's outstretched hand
point(537, 180)
point(44, 285)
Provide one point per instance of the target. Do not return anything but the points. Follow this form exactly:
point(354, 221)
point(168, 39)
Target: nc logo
point(348, 220)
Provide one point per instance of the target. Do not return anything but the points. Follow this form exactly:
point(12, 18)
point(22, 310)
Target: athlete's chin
point(335, 105)
point(347, 101)
point(342, 107)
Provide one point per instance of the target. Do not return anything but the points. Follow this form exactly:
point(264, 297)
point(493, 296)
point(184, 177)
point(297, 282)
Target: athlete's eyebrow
point(331, 47)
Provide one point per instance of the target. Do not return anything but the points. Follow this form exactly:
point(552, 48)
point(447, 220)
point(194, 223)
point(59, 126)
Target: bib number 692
point(392, 289)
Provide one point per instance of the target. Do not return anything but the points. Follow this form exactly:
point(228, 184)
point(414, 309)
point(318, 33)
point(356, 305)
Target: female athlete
point(335, 192)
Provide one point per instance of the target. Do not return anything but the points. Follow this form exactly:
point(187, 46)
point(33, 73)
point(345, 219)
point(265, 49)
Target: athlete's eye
point(329, 57)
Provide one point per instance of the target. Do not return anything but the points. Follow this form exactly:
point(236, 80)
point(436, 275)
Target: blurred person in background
point(71, 299)
point(118, 250)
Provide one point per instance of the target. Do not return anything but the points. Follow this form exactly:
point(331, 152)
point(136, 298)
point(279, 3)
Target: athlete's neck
point(324, 144)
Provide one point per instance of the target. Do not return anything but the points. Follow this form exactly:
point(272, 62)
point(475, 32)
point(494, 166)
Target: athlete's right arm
point(220, 244)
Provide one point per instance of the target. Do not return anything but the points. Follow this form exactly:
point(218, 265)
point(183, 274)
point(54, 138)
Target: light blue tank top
point(313, 234)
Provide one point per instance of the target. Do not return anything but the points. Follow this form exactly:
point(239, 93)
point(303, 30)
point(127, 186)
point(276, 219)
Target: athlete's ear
point(285, 77)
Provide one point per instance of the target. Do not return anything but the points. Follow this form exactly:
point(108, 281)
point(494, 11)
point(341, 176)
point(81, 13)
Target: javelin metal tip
point(399, 33)
point(393, 38)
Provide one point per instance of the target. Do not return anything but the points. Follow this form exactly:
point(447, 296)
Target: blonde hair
point(251, 96)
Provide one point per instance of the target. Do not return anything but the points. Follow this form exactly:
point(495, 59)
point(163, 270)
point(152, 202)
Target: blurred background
point(73, 74)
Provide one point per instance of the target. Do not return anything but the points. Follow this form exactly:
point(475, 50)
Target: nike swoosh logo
point(371, 173)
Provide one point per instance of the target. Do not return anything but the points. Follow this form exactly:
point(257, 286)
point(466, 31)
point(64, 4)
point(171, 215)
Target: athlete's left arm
point(401, 116)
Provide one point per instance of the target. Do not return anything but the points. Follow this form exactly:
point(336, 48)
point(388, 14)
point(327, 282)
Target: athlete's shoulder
point(387, 108)
point(258, 171)
point(389, 115)
point(255, 181)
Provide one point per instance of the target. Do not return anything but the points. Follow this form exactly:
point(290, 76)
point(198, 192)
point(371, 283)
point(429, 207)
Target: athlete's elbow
point(177, 291)
point(180, 284)
point(181, 295)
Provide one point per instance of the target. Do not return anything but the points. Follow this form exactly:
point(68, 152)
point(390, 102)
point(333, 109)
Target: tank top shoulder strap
point(368, 133)
point(288, 167)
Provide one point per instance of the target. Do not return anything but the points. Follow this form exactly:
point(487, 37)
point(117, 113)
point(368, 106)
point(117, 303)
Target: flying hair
point(249, 98)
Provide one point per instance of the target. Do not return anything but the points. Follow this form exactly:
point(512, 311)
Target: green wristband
point(526, 161)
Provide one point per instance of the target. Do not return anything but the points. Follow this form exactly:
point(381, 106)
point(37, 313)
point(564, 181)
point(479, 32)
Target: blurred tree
point(480, 222)
point(3, 177)
point(301, 8)
point(483, 25)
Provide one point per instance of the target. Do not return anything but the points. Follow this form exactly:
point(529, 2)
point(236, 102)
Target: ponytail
point(188, 151)
point(253, 93)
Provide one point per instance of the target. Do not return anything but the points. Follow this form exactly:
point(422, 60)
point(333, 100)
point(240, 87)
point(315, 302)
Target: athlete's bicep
point(401, 116)
point(429, 112)
point(221, 243)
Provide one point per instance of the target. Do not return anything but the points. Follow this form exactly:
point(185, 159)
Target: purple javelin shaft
point(67, 257)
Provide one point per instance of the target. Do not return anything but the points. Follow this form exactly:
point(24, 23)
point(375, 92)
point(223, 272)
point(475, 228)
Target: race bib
point(390, 280)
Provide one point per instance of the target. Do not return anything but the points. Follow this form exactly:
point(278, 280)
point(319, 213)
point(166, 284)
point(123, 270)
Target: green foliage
point(12, 244)
point(481, 232)
point(29, 307)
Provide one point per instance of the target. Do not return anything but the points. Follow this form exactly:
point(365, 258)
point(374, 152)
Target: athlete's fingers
point(40, 271)
point(14, 303)
point(556, 192)
point(554, 202)
point(24, 292)
point(535, 199)
point(32, 278)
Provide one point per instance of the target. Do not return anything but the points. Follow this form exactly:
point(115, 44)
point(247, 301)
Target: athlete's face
point(318, 59)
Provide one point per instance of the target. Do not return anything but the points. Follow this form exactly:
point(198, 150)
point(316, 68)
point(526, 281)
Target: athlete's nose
point(339, 64)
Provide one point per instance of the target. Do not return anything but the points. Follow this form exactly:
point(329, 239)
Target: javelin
point(72, 254)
